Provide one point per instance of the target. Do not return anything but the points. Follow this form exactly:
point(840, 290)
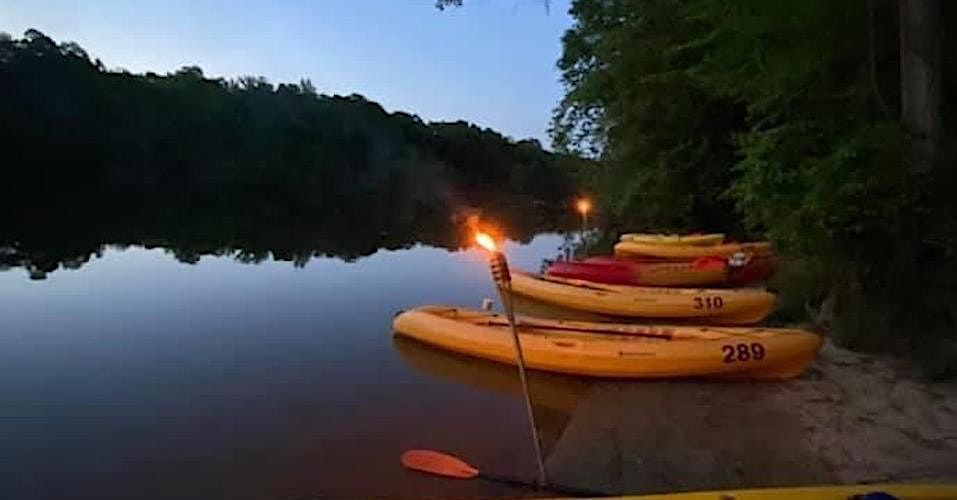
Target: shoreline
point(850, 418)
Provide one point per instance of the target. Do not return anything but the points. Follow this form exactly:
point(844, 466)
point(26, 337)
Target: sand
point(851, 418)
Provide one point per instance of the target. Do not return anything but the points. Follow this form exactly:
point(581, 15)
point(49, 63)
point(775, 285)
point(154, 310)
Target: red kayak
point(607, 270)
point(709, 271)
point(755, 270)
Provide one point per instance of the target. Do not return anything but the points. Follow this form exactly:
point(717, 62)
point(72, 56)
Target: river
point(136, 375)
point(131, 372)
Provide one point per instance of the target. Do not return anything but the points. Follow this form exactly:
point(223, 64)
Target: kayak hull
point(690, 252)
point(628, 351)
point(625, 272)
point(674, 239)
point(701, 272)
point(903, 491)
point(713, 305)
point(612, 273)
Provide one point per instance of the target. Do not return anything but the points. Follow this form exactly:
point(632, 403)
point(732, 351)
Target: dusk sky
point(491, 62)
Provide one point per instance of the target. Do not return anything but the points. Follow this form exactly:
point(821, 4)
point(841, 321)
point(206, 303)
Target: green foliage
point(800, 282)
point(778, 114)
point(815, 185)
point(664, 142)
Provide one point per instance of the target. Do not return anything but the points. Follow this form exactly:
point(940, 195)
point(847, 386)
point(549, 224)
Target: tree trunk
point(920, 81)
point(872, 58)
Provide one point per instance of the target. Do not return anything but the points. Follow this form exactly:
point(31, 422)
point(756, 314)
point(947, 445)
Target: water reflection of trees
point(241, 168)
point(45, 237)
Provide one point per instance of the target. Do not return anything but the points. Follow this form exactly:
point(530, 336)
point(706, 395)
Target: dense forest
point(209, 166)
point(828, 127)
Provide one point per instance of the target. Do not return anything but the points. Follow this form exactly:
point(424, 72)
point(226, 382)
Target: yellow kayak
point(674, 239)
point(615, 350)
point(900, 491)
point(686, 252)
point(742, 306)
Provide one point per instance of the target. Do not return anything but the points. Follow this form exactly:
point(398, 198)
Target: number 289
point(743, 352)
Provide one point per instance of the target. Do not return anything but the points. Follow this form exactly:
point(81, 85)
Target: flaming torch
point(503, 281)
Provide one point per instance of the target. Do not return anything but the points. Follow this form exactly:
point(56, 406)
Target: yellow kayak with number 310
point(743, 306)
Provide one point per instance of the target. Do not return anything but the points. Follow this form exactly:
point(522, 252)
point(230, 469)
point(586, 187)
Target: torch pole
point(503, 281)
point(584, 228)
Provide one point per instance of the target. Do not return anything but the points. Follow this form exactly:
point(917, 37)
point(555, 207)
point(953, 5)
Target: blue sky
point(491, 62)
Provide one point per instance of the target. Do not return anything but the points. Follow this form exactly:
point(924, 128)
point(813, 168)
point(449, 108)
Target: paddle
point(443, 464)
point(625, 333)
point(560, 328)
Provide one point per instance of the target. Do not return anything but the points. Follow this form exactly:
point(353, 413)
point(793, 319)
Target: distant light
point(583, 205)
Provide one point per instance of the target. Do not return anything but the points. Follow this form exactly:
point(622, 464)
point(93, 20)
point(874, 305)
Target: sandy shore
point(851, 418)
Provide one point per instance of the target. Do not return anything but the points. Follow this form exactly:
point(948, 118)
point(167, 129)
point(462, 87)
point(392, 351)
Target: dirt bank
point(851, 418)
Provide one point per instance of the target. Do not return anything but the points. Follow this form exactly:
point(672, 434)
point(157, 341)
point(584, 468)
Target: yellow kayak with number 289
point(615, 350)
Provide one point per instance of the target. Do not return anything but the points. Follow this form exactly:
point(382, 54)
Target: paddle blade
point(434, 462)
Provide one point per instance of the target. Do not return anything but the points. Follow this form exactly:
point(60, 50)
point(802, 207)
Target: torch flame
point(486, 241)
point(583, 205)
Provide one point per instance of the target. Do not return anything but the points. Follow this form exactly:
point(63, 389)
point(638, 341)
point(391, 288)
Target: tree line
point(93, 156)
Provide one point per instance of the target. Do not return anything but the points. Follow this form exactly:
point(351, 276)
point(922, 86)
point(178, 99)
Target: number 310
point(708, 302)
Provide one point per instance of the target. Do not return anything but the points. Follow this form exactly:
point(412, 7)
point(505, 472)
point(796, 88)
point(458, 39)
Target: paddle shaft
point(585, 330)
point(556, 488)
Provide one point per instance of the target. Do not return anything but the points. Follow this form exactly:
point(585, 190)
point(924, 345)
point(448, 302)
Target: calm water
point(140, 376)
